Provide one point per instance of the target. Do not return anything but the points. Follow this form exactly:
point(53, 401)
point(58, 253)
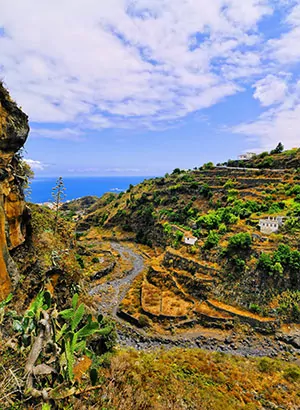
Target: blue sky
point(139, 87)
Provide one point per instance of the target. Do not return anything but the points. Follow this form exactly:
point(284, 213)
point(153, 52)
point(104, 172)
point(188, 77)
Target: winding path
point(120, 286)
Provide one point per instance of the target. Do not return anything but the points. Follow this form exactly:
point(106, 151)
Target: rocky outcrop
point(14, 215)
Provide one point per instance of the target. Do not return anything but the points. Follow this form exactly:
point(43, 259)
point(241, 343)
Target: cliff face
point(14, 130)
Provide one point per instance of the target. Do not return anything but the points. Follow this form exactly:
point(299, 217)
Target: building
point(271, 224)
point(246, 156)
point(190, 240)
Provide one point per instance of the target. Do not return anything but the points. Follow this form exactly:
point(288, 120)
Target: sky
point(140, 87)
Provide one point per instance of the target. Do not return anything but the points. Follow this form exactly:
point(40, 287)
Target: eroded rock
point(14, 130)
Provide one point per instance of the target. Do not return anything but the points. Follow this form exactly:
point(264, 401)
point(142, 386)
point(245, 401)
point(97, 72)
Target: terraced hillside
point(255, 276)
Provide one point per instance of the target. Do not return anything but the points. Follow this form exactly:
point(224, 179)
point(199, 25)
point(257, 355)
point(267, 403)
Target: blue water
point(76, 187)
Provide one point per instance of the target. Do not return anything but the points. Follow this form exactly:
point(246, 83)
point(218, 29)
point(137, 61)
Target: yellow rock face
point(13, 133)
point(5, 281)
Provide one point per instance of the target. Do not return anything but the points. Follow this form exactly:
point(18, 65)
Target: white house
point(190, 240)
point(271, 224)
point(246, 156)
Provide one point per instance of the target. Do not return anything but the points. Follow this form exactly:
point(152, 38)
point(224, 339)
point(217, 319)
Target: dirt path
point(117, 289)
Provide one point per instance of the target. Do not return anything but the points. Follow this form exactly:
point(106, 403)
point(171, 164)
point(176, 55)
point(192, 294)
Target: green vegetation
point(239, 242)
point(212, 240)
point(52, 342)
point(283, 260)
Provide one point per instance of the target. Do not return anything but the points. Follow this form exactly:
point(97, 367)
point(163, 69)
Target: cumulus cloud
point(270, 90)
point(35, 165)
point(280, 94)
point(141, 60)
point(279, 123)
point(145, 63)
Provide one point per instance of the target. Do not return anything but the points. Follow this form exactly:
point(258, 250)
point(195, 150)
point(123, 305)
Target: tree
point(212, 240)
point(58, 195)
point(240, 241)
point(208, 165)
point(278, 149)
point(176, 171)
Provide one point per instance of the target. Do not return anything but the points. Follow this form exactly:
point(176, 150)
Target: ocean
point(77, 187)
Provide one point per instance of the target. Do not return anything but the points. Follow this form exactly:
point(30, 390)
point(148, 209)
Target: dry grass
point(237, 311)
point(207, 310)
point(11, 385)
point(196, 380)
point(151, 298)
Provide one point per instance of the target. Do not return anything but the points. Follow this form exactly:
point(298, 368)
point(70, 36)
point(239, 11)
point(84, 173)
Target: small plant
point(292, 374)
point(254, 308)
point(58, 195)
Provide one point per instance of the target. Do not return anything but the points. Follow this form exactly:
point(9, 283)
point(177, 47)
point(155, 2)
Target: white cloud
point(104, 62)
point(148, 63)
point(279, 123)
point(57, 134)
point(270, 90)
point(35, 165)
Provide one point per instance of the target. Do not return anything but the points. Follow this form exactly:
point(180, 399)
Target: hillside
point(275, 159)
point(233, 271)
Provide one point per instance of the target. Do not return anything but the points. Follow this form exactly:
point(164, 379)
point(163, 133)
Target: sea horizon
point(80, 186)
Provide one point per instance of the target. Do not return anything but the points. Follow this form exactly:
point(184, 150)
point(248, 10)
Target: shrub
point(179, 236)
point(263, 154)
point(206, 191)
point(212, 240)
point(254, 308)
point(278, 149)
point(292, 374)
point(143, 321)
point(222, 229)
point(239, 264)
point(266, 163)
point(208, 165)
point(240, 241)
point(229, 183)
point(289, 305)
point(266, 365)
point(265, 264)
point(176, 171)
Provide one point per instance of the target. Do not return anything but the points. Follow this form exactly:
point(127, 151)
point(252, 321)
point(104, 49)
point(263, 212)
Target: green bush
point(292, 374)
point(241, 241)
point(176, 171)
point(143, 321)
point(254, 308)
point(212, 240)
point(266, 365)
point(208, 165)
